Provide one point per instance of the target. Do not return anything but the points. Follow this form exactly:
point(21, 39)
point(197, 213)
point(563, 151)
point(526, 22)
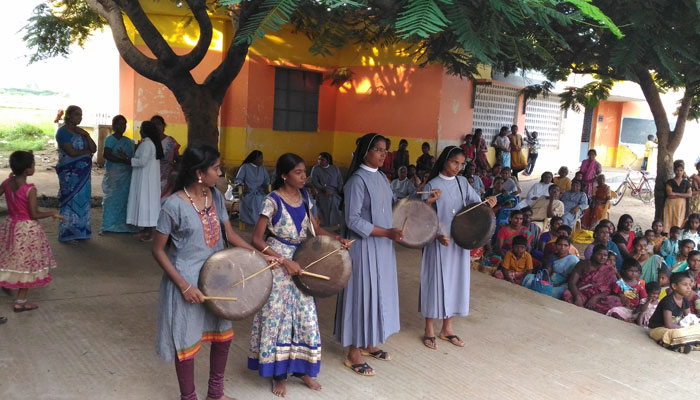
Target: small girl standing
point(630, 289)
point(25, 255)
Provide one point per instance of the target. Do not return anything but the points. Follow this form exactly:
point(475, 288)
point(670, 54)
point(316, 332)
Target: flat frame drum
point(474, 228)
point(417, 220)
point(337, 266)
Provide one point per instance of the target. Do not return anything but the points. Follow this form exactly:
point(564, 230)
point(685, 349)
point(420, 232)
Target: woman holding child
point(444, 288)
point(590, 283)
point(650, 263)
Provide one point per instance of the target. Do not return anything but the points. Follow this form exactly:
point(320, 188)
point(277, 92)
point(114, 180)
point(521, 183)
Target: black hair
point(69, 111)
point(652, 287)
point(676, 277)
point(696, 216)
point(623, 218)
point(564, 239)
point(496, 178)
point(678, 164)
point(594, 152)
point(599, 228)
point(21, 161)
point(476, 139)
point(513, 213)
point(361, 150)
point(545, 173)
point(612, 254)
point(117, 118)
point(553, 187)
point(524, 209)
point(425, 144)
point(197, 157)
point(554, 220)
point(402, 141)
point(638, 239)
point(674, 229)
point(519, 240)
point(599, 247)
point(447, 152)
point(693, 254)
point(664, 270)
point(327, 156)
point(566, 228)
point(285, 164)
point(607, 222)
point(503, 128)
point(630, 262)
point(148, 129)
point(650, 137)
point(252, 156)
point(158, 118)
point(685, 242)
point(648, 231)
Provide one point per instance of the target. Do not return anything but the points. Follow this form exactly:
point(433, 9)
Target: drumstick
point(319, 276)
point(326, 256)
point(471, 208)
point(430, 191)
point(220, 298)
point(403, 227)
point(256, 274)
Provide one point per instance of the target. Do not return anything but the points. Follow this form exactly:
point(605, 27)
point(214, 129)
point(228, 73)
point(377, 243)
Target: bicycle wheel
point(619, 192)
point(646, 193)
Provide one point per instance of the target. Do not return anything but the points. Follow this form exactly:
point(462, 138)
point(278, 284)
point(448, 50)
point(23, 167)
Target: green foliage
point(596, 14)
point(421, 18)
point(57, 25)
point(587, 96)
point(270, 18)
point(23, 136)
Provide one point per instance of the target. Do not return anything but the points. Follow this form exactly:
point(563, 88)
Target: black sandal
point(430, 340)
point(379, 355)
point(3, 320)
point(451, 338)
point(360, 369)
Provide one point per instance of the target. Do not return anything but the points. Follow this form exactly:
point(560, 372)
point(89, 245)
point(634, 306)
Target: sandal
point(379, 355)
point(3, 320)
point(361, 369)
point(429, 342)
point(24, 306)
point(454, 339)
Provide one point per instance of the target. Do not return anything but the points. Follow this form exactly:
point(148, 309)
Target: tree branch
point(682, 118)
point(194, 57)
point(219, 79)
point(651, 93)
point(145, 66)
point(150, 35)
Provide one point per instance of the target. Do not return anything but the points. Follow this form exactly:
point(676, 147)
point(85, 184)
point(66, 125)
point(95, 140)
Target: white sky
point(89, 76)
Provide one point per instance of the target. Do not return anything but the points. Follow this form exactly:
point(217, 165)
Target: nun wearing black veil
point(367, 312)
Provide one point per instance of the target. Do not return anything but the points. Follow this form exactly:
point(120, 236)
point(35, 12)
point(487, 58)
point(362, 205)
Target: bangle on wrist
point(265, 249)
point(337, 237)
point(188, 288)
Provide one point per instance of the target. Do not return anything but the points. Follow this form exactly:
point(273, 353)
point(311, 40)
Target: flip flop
point(360, 369)
point(379, 355)
point(3, 320)
point(25, 307)
point(429, 342)
point(451, 339)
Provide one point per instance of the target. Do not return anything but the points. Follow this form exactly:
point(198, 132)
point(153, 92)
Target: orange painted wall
point(455, 115)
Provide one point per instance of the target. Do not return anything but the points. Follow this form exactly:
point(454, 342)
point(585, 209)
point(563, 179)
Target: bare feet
point(311, 382)
point(279, 387)
point(224, 397)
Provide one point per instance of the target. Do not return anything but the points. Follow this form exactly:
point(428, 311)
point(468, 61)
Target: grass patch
point(24, 136)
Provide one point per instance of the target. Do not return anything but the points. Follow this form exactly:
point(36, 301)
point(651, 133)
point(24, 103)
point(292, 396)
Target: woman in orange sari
point(599, 206)
point(678, 191)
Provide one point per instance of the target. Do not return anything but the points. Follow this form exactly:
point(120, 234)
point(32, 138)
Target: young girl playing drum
point(285, 337)
point(444, 283)
point(191, 218)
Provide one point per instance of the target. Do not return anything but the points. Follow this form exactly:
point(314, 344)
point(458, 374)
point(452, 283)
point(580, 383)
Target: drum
point(313, 256)
point(417, 220)
point(474, 228)
point(223, 270)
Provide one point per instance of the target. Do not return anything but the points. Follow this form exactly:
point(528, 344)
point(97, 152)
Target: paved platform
point(92, 338)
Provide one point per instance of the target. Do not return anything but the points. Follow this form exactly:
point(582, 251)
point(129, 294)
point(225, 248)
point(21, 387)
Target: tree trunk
point(664, 172)
point(201, 111)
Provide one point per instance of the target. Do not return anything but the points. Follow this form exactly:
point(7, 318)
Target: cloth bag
point(540, 285)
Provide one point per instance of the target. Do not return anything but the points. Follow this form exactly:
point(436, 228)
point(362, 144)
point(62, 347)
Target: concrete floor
point(92, 338)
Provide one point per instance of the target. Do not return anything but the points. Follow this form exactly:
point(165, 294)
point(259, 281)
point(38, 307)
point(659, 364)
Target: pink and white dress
point(26, 259)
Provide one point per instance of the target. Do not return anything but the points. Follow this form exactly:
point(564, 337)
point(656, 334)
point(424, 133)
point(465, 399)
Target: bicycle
point(643, 190)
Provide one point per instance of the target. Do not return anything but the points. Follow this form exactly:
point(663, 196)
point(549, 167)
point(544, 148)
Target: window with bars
point(296, 100)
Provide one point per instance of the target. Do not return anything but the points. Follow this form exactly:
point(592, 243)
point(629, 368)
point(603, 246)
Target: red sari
point(594, 282)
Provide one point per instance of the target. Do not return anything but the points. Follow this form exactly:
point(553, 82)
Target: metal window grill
point(544, 116)
point(494, 106)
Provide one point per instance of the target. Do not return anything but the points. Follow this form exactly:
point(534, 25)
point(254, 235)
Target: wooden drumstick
point(220, 298)
point(326, 256)
point(403, 227)
point(471, 208)
point(319, 276)
point(428, 192)
point(274, 264)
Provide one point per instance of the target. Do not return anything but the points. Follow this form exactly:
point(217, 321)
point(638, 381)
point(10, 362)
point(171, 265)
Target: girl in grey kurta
point(444, 279)
point(367, 312)
point(326, 179)
point(191, 219)
point(255, 180)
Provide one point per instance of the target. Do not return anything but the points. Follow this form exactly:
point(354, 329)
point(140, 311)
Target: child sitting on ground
point(647, 306)
point(664, 324)
point(659, 236)
point(664, 281)
point(685, 246)
point(649, 236)
point(669, 247)
point(517, 263)
point(612, 260)
point(551, 247)
point(630, 289)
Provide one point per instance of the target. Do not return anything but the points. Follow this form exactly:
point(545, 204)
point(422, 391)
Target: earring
point(199, 179)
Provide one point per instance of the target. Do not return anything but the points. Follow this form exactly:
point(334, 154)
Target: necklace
point(288, 200)
point(206, 204)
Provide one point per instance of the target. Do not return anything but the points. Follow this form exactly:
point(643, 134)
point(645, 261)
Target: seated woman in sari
point(624, 237)
point(601, 235)
point(75, 149)
point(575, 202)
point(591, 281)
point(559, 265)
point(508, 232)
point(599, 205)
point(650, 263)
point(678, 191)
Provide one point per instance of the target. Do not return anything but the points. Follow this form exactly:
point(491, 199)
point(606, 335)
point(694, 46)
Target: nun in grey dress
point(255, 178)
point(367, 311)
point(326, 179)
